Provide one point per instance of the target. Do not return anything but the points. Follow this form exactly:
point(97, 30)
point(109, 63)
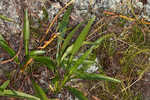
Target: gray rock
point(8, 8)
point(11, 9)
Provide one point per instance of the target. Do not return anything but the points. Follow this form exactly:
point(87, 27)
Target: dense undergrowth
point(120, 50)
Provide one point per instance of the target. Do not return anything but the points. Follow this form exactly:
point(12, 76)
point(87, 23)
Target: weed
point(66, 59)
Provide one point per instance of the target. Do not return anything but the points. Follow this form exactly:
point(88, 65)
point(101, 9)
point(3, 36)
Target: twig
point(55, 18)
point(125, 17)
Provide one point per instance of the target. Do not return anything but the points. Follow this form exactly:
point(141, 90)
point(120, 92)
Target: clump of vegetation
point(122, 51)
point(65, 60)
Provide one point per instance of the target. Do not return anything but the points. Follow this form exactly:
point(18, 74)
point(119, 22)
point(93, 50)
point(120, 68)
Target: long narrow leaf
point(68, 51)
point(83, 57)
point(26, 32)
point(77, 93)
point(84, 62)
point(61, 28)
point(2, 39)
point(6, 18)
point(7, 48)
point(39, 92)
point(45, 60)
point(73, 69)
point(80, 60)
point(81, 38)
point(12, 93)
point(63, 24)
point(93, 76)
point(4, 85)
point(69, 37)
point(36, 52)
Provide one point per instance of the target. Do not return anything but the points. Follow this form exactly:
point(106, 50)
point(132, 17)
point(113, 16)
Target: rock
point(8, 8)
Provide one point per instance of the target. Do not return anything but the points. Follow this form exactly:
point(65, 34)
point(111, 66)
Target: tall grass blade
point(77, 93)
point(26, 31)
point(39, 92)
point(17, 94)
point(81, 38)
point(93, 76)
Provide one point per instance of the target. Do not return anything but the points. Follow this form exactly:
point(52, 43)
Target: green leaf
point(45, 60)
point(7, 48)
point(12, 93)
point(36, 52)
point(39, 92)
point(85, 55)
point(93, 76)
point(6, 18)
point(68, 51)
point(97, 43)
point(84, 62)
point(69, 37)
point(4, 85)
point(61, 28)
point(80, 60)
point(63, 24)
point(2, 39)
point(26, 31)
point(78, 43)
point(77, 93)
point(74, 68)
